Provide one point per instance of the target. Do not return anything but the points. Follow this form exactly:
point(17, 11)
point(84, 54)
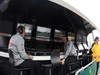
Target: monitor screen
point(43, 33)
point(28, 29)
point(58, 37)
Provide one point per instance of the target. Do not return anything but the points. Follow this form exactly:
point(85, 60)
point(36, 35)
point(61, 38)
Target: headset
point(20, 29)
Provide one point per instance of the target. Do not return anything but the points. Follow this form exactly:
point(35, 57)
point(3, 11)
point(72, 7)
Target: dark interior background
point(41, 13)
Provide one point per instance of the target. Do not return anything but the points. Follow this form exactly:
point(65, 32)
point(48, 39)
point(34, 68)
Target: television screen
point(28, 29)
point(58, 37)
point(43, 33)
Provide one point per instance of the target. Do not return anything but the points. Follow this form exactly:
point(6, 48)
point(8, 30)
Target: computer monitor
point(43, 33)
point(58, 36)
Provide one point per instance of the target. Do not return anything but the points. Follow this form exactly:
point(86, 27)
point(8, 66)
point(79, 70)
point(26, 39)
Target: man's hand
point(30, 57)
point(62, 61)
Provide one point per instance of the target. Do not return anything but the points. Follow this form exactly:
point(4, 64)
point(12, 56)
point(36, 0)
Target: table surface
point(39, 58)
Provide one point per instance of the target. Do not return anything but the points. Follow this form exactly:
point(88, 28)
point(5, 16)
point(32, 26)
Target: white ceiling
point(88, 9)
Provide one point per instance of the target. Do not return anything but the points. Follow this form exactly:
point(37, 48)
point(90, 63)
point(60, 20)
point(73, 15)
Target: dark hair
point(96, 38)
point(20, 29)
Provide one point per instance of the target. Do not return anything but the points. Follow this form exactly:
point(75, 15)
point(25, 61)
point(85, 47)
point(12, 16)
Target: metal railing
point(83, 68)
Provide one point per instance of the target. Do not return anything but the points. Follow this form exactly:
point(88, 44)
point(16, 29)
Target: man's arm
point(68, 50)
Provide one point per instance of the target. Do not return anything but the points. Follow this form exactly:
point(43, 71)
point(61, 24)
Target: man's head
point(96, 40)
point(21, 30)
point(65, 39)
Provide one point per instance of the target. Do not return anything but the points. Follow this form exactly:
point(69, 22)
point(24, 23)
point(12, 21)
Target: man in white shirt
point(69, 48)
point(70, 54)
point(21, 58)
